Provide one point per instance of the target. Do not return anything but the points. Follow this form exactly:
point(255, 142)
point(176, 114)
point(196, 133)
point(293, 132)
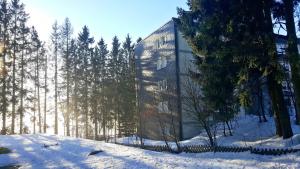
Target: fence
point(207, 148)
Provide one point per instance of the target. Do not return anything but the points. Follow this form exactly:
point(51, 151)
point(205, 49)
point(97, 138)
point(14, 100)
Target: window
point(167, 130)
point(163, 107)
point(163, 40)
point(162, 62)
point(162, 85)
point(157, 44)
point(158, 64)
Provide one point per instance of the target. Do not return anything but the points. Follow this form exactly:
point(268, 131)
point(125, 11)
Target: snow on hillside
point(29, 152)
point(247, 131)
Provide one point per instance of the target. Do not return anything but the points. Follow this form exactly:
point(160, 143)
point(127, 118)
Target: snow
point(29, 151)
point(247, 131)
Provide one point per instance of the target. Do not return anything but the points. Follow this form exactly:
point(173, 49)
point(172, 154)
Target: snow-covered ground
point(247, 131)
point(29, 151)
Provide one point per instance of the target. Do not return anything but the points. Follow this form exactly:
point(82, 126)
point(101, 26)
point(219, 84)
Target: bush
point(4, 150)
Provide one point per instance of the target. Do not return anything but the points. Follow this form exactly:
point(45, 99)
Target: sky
point(104, 18)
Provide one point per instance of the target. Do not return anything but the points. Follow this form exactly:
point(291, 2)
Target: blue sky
point(105, 18)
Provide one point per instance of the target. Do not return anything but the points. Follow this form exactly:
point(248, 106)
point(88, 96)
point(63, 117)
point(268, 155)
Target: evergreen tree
point(4, 33)
point(128, 102)
point(102, 52)
point(75, 82)
point(114, 95)
point(85, 52)
point(234, 28)
point(55, 39)
point(39, 53)
point(16, 10)
point(66, 33)
point(45, 90)
point(292, 51)
point(24, 47)
point(95, 91)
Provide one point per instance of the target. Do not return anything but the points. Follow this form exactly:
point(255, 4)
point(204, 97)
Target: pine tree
point(95, 91)
point(66, 33)
point(38, 54)
point(55, 35)
point(217, 73)
point(292, 51)
point(102, 52)
point(114, 92)
point(233, 28)
point(24, 47)
point(18, 33)
point(45, 90)
point(128, 102)
point(85, 52)
point(4, 32)
point(75, 82)
point(15, 9)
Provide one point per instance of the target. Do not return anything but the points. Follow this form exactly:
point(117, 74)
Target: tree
point(66, 33)
point(195, 105)
point(17, 11)
point(24, 47)
point(282, 118)
point(46, 90)
point(102, 52)
point(55, 39)
point(85, 52)
point(95, 91)
point(292, 51)
point(231, 30)
point(4, 29)
point(128, 118)
point(75, 81)
point(114, 95)
point(39, 52)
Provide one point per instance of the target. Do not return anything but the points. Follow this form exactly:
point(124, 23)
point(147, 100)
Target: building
point(163, 60)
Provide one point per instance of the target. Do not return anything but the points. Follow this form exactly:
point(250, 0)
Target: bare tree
point(166, 103)
point(195, 107)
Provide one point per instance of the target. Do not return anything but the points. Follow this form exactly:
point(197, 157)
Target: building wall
point(190, 123)
point(158, 46)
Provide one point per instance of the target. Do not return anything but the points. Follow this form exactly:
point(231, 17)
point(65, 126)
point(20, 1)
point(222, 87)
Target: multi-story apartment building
point(163, 61)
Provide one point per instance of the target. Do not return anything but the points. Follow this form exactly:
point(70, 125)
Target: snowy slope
point(29, 152)
point(247, 131)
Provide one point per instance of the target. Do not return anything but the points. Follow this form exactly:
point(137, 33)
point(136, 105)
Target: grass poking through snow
point(4, 150)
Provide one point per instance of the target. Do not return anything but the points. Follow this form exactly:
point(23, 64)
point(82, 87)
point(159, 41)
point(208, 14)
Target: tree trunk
point(38, 90)
point(104, 125)
point(34, 105)
point(4, 87)
point(96, 129)
point(86, 104)
point(56, 93)
point(292, 52)
point(22, 91)
point(13, 112)
point(68, 89)
point(45, 99)
point(76, 110)
point(281, 115)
